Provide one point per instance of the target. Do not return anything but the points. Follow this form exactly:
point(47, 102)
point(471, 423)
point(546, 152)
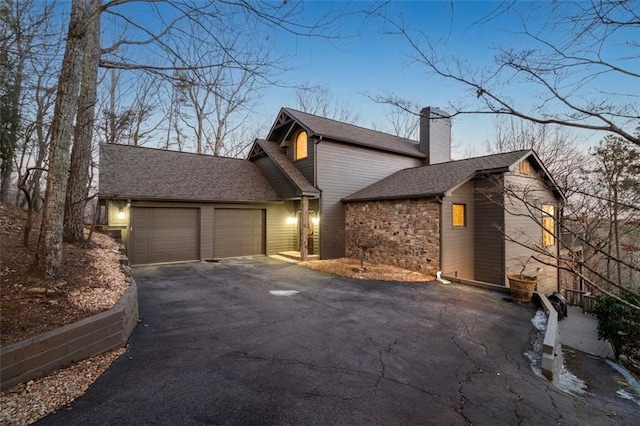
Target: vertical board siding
point(527, 232)
point(458, 243)
point(343, 170)
point(278, 181)
point(489, 223)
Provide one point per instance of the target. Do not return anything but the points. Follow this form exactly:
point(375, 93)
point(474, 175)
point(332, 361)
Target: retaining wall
point(46, 352)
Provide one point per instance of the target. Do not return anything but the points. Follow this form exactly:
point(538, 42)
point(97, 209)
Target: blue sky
point(374, 62)
point(368, 61)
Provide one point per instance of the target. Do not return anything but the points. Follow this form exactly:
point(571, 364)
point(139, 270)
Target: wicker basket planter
point(521, 287)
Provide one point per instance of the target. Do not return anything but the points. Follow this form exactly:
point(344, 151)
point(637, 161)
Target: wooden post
point(304, 228)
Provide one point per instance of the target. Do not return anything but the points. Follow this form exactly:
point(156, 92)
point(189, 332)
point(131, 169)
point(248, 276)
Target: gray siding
point(278, 181)
point(457, 251)
point(489, 222)
point(527, 232)
point(343, 170)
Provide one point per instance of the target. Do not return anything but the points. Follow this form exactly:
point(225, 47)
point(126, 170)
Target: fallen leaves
point(350, 268)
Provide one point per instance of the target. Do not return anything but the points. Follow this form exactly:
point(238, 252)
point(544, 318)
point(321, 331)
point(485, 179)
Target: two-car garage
point(174, 234)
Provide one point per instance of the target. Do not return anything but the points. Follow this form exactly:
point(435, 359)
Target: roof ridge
point(172, 151)
point(350, 124)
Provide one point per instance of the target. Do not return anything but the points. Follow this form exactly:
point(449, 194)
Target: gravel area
point(25, 403)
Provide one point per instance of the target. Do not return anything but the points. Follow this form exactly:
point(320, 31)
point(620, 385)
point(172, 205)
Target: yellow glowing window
point(301, 145)
point(524, 167)
point(459, 215)
point(548, 225)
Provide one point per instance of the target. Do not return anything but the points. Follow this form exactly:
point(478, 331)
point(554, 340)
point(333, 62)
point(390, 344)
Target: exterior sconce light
point(315, 220)
point(120, 214)
point(292, 220)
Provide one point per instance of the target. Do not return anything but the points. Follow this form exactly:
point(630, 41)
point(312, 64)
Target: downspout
point(315, 184)
point(558, 244)
point(439, 273)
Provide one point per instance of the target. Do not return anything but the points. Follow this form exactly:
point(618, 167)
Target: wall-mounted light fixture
point(120, 214)
point(292, 220)
point(315, 220)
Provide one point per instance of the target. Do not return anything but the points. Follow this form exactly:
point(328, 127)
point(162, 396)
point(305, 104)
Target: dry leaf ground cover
point(91, 281)
point(350, 268)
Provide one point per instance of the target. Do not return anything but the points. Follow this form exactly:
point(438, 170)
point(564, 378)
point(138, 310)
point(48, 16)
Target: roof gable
point(272, 150)
point(439, 179)
point(155, 174)
point(341, 132)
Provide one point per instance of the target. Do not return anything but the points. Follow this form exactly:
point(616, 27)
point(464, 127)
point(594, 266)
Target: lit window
point(548, 225)
point(524, 167)
point(301, 145)
point(459, 215)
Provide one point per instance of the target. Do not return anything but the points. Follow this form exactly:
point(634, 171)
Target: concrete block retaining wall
point(46, 352)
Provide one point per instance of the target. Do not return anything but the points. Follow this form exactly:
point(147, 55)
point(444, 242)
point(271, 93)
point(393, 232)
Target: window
point(459, 215)
point(301, 146)
point(524, 167)
point(548, 225)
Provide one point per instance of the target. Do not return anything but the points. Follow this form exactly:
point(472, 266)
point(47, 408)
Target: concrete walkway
point(580, 331)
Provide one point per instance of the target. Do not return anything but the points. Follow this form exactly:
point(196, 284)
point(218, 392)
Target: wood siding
point(527, 232)
point(457, 251)
point(489, 222)
point(278, 181)
point(343, 170)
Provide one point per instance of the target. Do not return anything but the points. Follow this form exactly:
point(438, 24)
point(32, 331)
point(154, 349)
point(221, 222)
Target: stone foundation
point(405, 233)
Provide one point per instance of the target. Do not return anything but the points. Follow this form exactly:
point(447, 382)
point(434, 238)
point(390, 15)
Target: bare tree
point(78, 180)
point(318, 100)
point(556, 146)
point(49, 253)
point(566, 72)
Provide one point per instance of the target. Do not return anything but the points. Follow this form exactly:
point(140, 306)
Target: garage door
point(164, 235)
point(238, 232)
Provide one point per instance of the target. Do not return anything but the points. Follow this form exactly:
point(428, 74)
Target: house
point(313, 182)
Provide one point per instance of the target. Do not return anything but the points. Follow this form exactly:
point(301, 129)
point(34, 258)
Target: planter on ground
point(521, 287)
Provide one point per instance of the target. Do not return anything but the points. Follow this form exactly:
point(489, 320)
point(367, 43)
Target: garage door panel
point(164, 234)
point(238, 232)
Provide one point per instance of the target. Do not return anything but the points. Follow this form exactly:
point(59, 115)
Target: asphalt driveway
point(215, 346)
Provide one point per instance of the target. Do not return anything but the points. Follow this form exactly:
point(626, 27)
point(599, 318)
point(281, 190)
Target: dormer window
point(301, 146)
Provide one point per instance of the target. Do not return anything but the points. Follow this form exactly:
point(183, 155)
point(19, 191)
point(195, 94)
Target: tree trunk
point(77, 186)
point(49, 254)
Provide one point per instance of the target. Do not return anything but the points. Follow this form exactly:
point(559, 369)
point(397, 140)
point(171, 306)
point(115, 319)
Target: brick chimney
point(435, 135)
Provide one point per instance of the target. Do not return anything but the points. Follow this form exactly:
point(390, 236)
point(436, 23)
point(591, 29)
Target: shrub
point(619, 324)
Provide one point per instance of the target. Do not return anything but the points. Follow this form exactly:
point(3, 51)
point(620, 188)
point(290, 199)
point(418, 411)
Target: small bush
point(619, 324)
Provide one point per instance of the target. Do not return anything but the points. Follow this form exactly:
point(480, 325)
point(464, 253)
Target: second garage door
point(238, 232)
point(164, 235)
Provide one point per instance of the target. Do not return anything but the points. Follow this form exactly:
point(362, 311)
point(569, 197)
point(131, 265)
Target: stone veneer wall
point(410, 226)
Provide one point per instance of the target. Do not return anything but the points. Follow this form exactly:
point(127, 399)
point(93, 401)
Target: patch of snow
point(631, 381)
point(569, 383)
point(283, 292)
point(540, 321)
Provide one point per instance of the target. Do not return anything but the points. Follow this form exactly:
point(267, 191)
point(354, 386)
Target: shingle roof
point(436, 179)
point(292, 173)
point(357, 135)
point(154, 174)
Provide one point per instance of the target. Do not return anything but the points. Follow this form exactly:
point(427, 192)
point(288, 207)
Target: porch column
point(304, 228)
